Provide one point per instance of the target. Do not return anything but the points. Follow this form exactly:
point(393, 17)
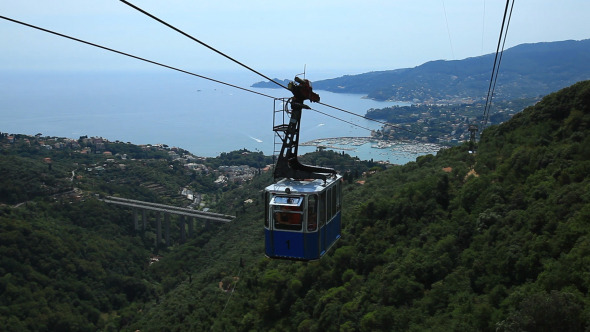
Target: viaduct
point(186, 216)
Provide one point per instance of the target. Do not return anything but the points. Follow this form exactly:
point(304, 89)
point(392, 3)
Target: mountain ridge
point(527, 70)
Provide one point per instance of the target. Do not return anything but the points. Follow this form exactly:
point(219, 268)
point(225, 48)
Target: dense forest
point(496, 240)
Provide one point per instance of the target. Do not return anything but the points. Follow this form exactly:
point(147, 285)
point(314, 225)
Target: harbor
point(368, 148)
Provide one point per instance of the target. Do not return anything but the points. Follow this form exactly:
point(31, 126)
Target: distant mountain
point(270, 85)
point(526, 70)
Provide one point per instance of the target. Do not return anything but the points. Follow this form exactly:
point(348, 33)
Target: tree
point(546, 312)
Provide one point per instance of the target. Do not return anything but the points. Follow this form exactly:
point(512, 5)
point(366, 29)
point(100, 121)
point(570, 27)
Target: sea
point(179, 110)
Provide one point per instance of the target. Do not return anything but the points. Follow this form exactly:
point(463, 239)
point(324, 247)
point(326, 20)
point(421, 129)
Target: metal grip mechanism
point(287, 164)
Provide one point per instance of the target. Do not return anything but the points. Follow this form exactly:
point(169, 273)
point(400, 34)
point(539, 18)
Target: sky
point(326, 37)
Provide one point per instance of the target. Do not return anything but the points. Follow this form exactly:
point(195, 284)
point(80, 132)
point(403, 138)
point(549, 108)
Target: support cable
point(133, 56)
point(497, 60)
point(201, 76)
point(238, 62)
point(483, 25)
point(232, 292)
point(448, 29)
point(200, 42)
point(370, 119)
point(333, 117)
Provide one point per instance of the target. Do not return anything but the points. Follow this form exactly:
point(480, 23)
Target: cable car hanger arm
point(288, 166)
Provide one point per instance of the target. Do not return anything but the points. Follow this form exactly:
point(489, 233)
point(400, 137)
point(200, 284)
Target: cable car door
point(285, 238)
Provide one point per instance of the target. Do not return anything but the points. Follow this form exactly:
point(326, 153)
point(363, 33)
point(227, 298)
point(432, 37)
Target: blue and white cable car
point(303, 218)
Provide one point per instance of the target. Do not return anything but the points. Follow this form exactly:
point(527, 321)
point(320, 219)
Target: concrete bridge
point(186, 216)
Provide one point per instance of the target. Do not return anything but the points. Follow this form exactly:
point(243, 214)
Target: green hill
point(527, 70)
point(493, 241)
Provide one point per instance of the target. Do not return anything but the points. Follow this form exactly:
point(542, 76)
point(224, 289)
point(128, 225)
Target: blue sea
point(203, 117)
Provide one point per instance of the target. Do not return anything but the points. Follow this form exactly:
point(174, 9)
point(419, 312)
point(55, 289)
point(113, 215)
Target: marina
point(368, 148)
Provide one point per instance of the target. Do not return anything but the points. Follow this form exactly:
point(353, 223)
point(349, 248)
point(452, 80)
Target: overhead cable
point(483, 25)
point(201, 76)
point(370, 119)
point(331, 116)
point(497, 61)
point(234, 60)
point(200, 42)
point(133, 56)
point(448, 29)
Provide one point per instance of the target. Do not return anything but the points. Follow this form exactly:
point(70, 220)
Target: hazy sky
point(341, 36)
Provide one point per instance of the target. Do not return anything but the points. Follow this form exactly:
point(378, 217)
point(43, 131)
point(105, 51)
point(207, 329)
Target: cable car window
point(287, 218)
point(266, 211)
point(334, 195)
point(312, 213)
point(287, 200)
point(322, 209)
point(329, 204)
point(338, 195)
point(287, 213)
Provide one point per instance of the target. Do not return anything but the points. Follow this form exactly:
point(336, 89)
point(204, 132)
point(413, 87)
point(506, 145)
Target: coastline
point(147, 108)
point(368, 148)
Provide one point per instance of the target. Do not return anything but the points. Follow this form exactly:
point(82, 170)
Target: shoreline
point(367, 148)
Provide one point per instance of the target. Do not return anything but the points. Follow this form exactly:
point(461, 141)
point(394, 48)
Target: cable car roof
point(301, 186)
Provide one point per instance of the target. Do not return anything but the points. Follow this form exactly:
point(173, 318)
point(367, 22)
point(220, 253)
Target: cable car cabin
point(303, 218)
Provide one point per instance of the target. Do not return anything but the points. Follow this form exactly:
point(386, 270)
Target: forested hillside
point(70, 262)
point(498, 240)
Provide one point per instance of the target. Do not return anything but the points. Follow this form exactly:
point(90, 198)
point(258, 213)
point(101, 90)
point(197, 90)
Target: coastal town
point(444, 124)
point(93, 157)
